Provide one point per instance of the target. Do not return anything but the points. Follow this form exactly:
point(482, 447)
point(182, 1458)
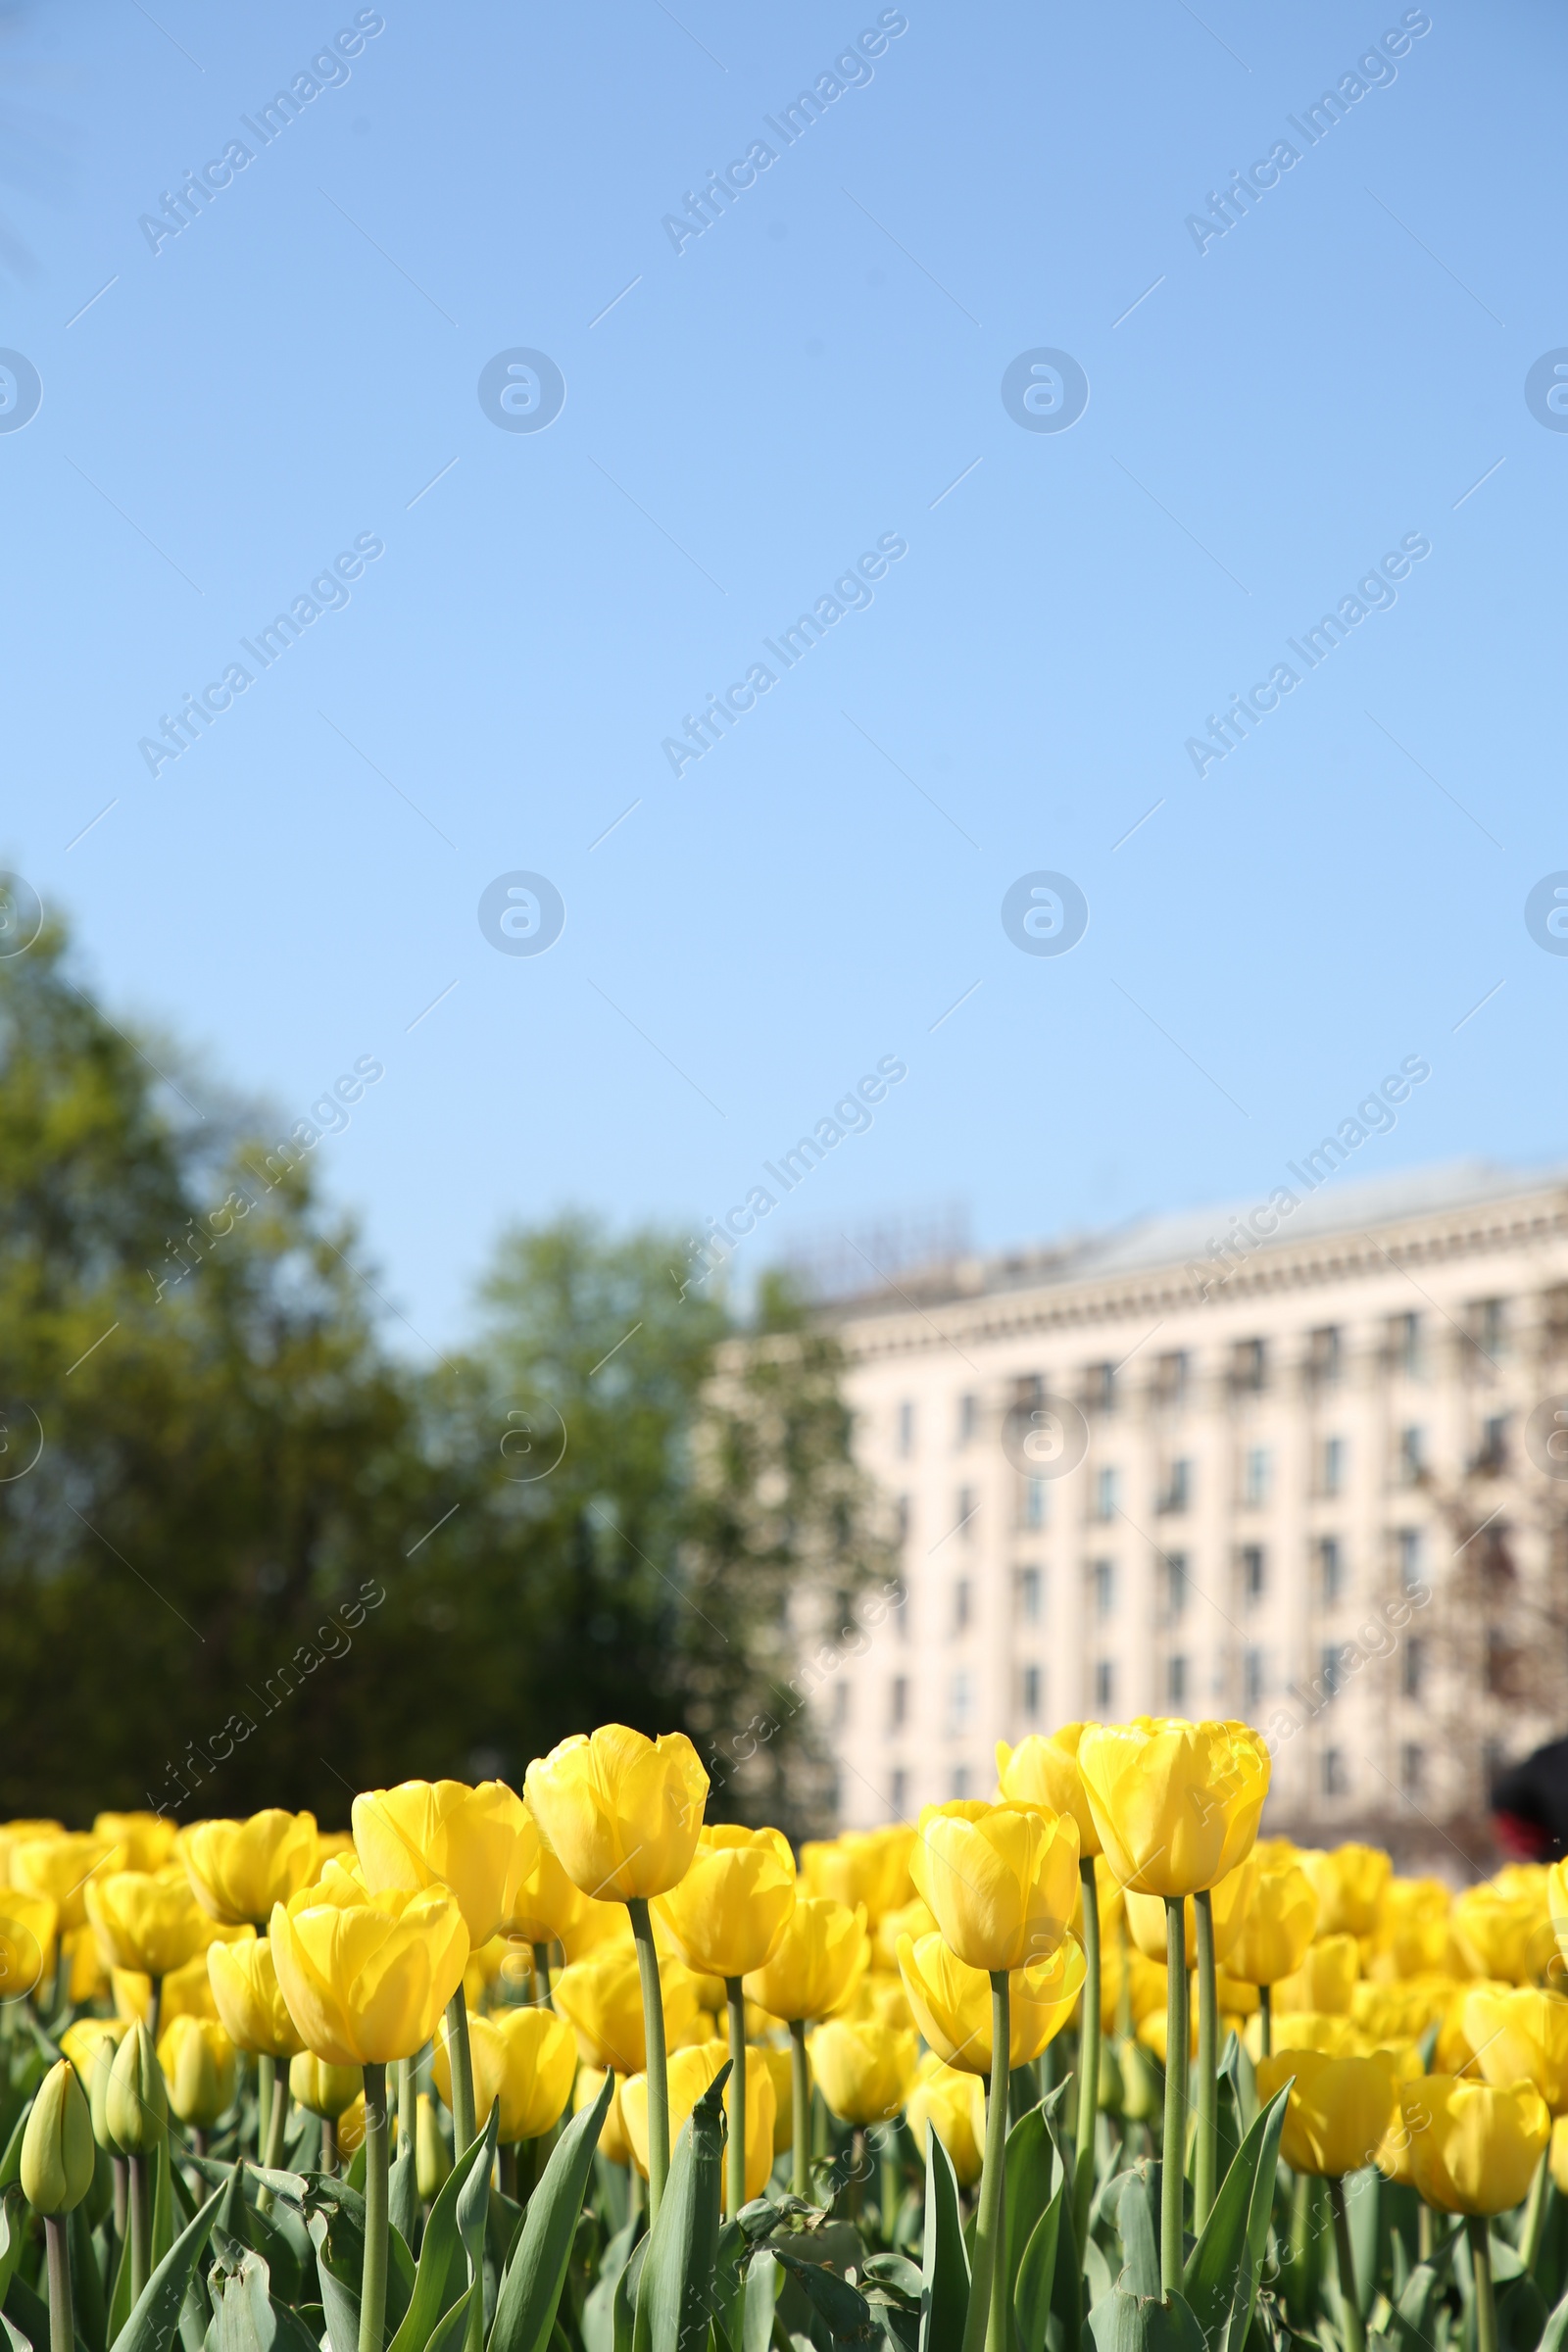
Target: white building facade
point(1307, 1469)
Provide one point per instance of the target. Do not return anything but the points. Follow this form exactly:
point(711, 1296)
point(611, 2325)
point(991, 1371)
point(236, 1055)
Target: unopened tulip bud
point(57, 2148)
point(431, 2163)
point(103, 2067)
point(325, 2090)
point(137, 2108)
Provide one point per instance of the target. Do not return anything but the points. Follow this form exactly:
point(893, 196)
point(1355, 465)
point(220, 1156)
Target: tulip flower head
point(1349, 1884)
point(147, 1923)
point(1277, 1925)
point(692, 2072)
point(1330, 1970)
point(322, 2088)
point(815, 1962)
point(146, 1840)
point(443, 1834)
point(526, 2058)
point(543, 1907)
point(865, 2070)
point(1228, 1903)
point(249, 1998)
point(1043, 1769)
point(951, 2002)
point(613, 2145)
point(869, 1868)
point(136, 2104)
point(200, 2071)
point(58, 2155)
point(28, 1925)
point(433, 2158)
point(1000, 1879)
point(63, 1867)
point(601, 1998)
point(952, 2105)
point(1510, 1937)
point(1474, 2146)
point(1339, 2109)
point(1521, 2036)
point(620, 1812)
point(239, 1869)
point(366, 1981)
point(729, 1913)
point(1176, 1803)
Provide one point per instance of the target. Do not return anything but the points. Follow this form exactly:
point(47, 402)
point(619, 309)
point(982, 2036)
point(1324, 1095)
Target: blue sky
point(1271, 411)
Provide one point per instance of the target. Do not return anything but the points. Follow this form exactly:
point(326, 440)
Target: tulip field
point(1094, 2067)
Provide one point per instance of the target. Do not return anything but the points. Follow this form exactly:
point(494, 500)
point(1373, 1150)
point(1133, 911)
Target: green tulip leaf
point(1030, 2166)
point(1065, 2327)
point(844, 2307)
point(155, 2316)
point(1521, 2316)
point(12, 2337)
point(245, 2316)
point(1037, 2276)
point(403, 2197)
point(1123, 2323)
point(1140, 2241)
point(674, 2293)
point(13, 2230)
point(597, 2325)
point(945, 2270)
point(436, 2292)
point(762, 2282)
point(1557, 2329)
point(534, 2277)
point(1220, 2281)
point(86, 2283)
point(473, 2197)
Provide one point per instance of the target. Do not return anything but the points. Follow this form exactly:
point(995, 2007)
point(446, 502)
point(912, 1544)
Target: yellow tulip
point(781, 2065)
point(322, 2087)
point(27, 1924)
point(471, 1842)
point(144, 1922)
point(146, 1839)
point(201, 2070)
point(1412, 1936)
point(1237, 1997)
point(600, 1925)
point(1504, 1935)
point(239, 1869)
point(1228, 1902)
point(1400, 2011)
point(951, 2002)
point(187, 1990)
point(1349, 1884)
point(249, 1998)
point(1000, 1879)
point(601, 1998)
point(621, 1812)
point(136, 2103)
point(82, 2039)
point(815, 1962)
point(1176, 1803)
point(691, 2073)
point(865, 2072)
point(88, 1977)
point(1277, 1926)
point(543, 1907)
point(433, 2158)
point(58, 2155)
point(869, 1868)
point(63, 1867)
point(952, 2105)
point(1474, 2148)
point(526, 2058)
point(1326, 1978)
point(1339, 2108)
point(1521, 2036)
point(613, 2145)
point(729, 1912)
point(877, 2000)
point(351, 2131)
point(1455, 2052)
point(365, 1980)
point(1043, 1769)
point(914, 1919)
point(1110, 1902)
point(22, 1832)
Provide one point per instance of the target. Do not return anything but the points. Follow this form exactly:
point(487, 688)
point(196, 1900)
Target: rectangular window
point(1176, 1495)
point(1492, 1458)
point(1176, 1680)
point(900, 1516)
point(1323, 1355)
point(1412, 1772)
point(1412, 1454)
point(1100, 1388)
point(1330, 1569)
point(1255, 1574)
point(1030, 1586)
point(960, 1701)
point(1107, 1493)
point(1411, 1556)
point(1104, 1685)
point(1170, 1377)
point(966, 1506)
point(1036, 1502)
point(1253, 1681)
point(898, 1793)
point(898, 1702)
point(1405, 1347)
point(960, 1781)
point(963, 1605)
point(1413, 1666)
point(1489, 1324)
point(1256, 1473)
point(968, 1419)
point(1249, 1367)
point(1333, 1465)
point(1332, 1659)
point(906, 1428)
point(1102, 1574)
point(1176, 1583)
point(1029, 1693)
point(1335, 1778)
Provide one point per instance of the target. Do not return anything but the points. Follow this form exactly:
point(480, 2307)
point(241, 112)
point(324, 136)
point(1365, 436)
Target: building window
point(1407, 1350)
point(1176, 1680)
point(1029, 1693)
point(906, 1428)
point(1412, 1454)
point(960, 1701)
point(968, 1419)
point(898, 1702)
point(1323, 1355)
point(1253, 1678)
point(900, 1519)
point(1492, 1456)
point(1170, 1377)
point(1107, 1493)
point(1177, 1493)
point(1412, 1772)
point(1333, 1481)
point(1100, 1388)
point(1254, 1573)
point(1249, 1367)
point(1256, 1471)
point(1489, 1324)
point(960, 1781)
point(1176, 1583)
point(1413, 1668)
point(1036, 1499)
point(1332, 1660)
point(1336, 1779)
point(898, 1793)
point(1330, 1569)
point(1410, 1556)
point(1104, 1685)
point(1029, 1591)
point(1104, 1575)
point(963, 1605)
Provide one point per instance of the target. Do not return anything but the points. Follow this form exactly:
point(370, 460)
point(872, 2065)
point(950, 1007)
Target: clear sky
point(754, 402)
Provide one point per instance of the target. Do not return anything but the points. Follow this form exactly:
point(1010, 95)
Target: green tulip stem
point(991, 2219)
point(141, 2226)
point(642, 1927)
point(1353, 2326)
point(154, 2007)
point(1535, 2216)
point(461, 2058)
point(266, 2080)
point(889, 2180)
point(373, 2286)
point(408, 2097)
point(1205, 2171)
point(1173, 2153)
point(122, 2195)
point(800, 2109)
point(541, 1975)
point(1088, 2053)
point(61, 2318)
point(735, 2163)
point(273, 2152)
point(1265, 2019)
point(329, 2145)
point(1423, 2232)
point(1477, 2229)
point(507, 2160)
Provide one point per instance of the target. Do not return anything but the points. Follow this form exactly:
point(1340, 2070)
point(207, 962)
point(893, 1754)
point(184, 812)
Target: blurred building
point(1300, 1464)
